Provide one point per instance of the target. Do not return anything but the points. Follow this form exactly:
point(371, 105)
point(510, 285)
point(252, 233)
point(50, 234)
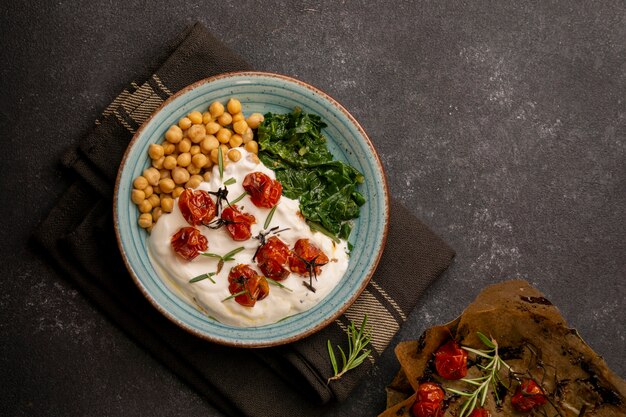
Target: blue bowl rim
point(330, 318)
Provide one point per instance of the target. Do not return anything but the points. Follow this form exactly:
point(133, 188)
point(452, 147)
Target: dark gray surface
point(502, 128)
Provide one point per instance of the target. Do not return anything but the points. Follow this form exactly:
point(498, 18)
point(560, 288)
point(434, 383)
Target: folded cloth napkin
point(78, 236)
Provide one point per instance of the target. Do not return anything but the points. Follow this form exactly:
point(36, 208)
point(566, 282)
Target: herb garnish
point(271, 281)
point(230, 181)
point(220, 161)
point(357, 341)
point(225, 258)
point(490, 376)
point(238, 199)
point(294, 147)
point(203, 276)
point(268, 220)
point(237, 294)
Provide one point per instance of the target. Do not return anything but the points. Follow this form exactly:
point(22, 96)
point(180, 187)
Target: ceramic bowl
point(347, 141)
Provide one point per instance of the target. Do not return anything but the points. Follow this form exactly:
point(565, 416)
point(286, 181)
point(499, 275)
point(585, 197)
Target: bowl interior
point(258, 92)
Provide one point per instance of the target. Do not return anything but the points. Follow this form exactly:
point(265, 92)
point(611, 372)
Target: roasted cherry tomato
point(238, 223)
point(305, 251)
point(430, 392)
point(427, 409)
point(451, 361)
point(264, 191)
point(250, 286)
point(480, 412)
point(196, 206)
point(528, 396)
point(188, 242)
point(272, 257)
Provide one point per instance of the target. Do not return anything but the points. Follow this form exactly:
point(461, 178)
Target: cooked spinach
point(293, 146)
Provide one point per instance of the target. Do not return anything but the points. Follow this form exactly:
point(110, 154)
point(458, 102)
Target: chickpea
point(158, 163)
point(165, 173)
point(167, 204)
point(199, 160)
point(167, 185)
point(254, 120)
point(137, 196)
point(156, 189)
point(238, 117)
point(180, 175)
point(176, 193)
point(194, 181)
point(168, 148)
point(209, 143)
point(234, 155)
point(183, 160)
point(196, 133)
point(248, 135)
point(155, 200)
point(207, 176)
point(184, 145)
point(155, 151)
point(140, 183)
point(206, 117)
point(216, 109)
point(212, 128)
point(192, 169)
point(252, 146)
point(145, 220)
point(152, 175)
point(184, 123)
point(240, 127)
point(233, 106)
point(156, 213)
point(225, 119)
point(195, 117)
point(195, 149)
point(148, 191)
point(174, 134)
point(235, 141)
point(145, 206)
point(169, 162)
point(224, 135)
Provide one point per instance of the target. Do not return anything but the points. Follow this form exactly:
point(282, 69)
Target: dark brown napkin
point(78, 236)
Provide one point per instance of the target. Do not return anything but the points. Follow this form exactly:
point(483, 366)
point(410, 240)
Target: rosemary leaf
point(268, 220)
point(238, 199)
point(487, 342)
point(271, 281)
point(202, 277)
point(211, 255)
point(333, 361)
point(237, 294)
point(230, 181)
point(233, 252)
point(220, 161)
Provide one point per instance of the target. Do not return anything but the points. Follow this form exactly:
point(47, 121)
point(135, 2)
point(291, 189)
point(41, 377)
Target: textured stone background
point(502, 126)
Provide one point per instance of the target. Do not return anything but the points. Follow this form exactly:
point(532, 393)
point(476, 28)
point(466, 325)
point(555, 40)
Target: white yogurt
point(207, 296)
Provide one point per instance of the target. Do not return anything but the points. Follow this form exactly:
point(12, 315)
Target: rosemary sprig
point(357, 342)
point(220, 161)
point(271, 281)
point(490, 378)
point(223, 258)
point(203, 277)
point(230, 181)
point(268, 220)
point(238, 199)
